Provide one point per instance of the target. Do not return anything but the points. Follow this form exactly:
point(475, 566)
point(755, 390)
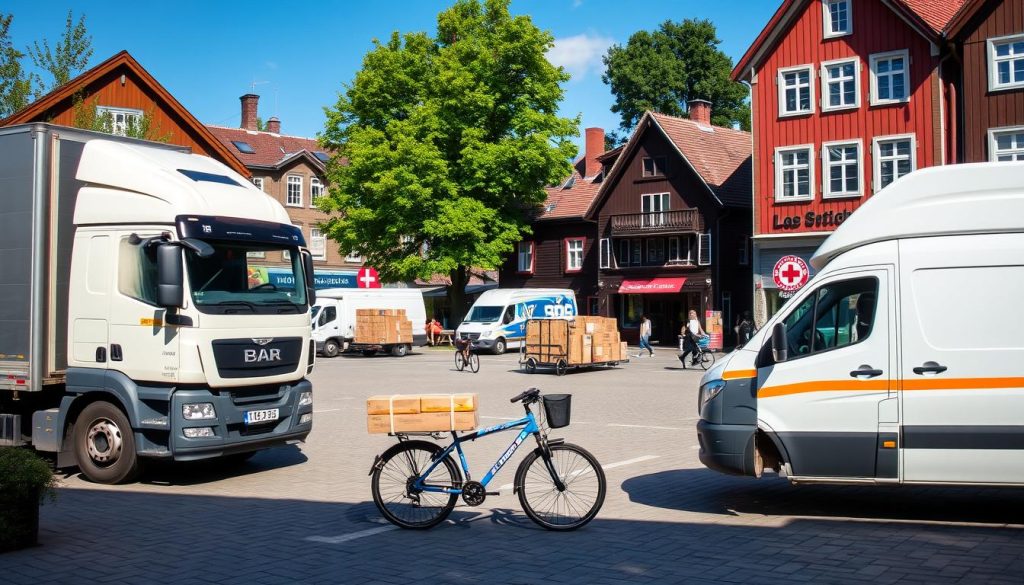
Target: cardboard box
point(423, 422)
point(397, 404)
point(445, 402)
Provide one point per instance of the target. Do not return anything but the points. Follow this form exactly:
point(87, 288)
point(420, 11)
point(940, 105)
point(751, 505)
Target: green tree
point(664, 69)
point(68, 57)
point(15, 82)
point(447, 141)
point(85, 114)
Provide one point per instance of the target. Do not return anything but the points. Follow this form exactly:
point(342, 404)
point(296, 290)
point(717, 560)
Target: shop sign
point(367, 278)
point(790, 275)
point(829, 219)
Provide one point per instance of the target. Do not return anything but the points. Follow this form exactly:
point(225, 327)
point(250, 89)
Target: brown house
point(127, 92)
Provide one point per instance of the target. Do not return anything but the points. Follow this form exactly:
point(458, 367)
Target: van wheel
point(330, 348)
point(499, 346)
point(399, 350)
point(105, 444)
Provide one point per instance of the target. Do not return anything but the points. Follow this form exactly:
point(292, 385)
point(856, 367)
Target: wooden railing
point(683, 220)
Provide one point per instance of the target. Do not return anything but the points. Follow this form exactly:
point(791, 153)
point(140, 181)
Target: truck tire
point(499, 346)
point(331, 348)
point(400, 350)
point(105, 444)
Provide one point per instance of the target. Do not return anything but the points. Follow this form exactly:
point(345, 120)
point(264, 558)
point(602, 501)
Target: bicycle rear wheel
point(561, 510)
point(707, 359)
point(393, 479)
point(474, 362)
point(460, 360)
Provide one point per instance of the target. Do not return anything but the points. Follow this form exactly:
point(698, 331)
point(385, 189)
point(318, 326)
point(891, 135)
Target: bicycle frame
point(529, 422)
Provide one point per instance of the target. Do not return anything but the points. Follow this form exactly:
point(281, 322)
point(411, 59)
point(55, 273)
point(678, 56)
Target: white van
point(902, 361)
point(497, 320)
point(334, 315)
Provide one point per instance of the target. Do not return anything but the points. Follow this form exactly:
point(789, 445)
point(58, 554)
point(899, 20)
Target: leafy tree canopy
point(447, 141)
point(664, 69)
point(15, 82)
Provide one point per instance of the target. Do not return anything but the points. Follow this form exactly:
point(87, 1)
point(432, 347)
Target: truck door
point(962, 358)
point(823, 402)
point(142, 346)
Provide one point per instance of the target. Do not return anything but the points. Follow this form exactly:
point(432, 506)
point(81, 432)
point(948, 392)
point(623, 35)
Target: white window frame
point(605, 246)
point(681, 243)
point(316, 190)
point(781, 81)
point(529, 254)
point(572, 254)
point(993, 134)
point(315, 235)
point(120, 129)
point(825, 95)
point(876, 158)
point(826, 170)
point(354, 257)
point(874, 59)
point(826, 18)
point(288, 190)
point(704, 256)
point(809, 148)
point(654, 217)
point(259, 182)
point(993, 78)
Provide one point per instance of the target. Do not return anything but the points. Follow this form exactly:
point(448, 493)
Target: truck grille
point(255, 357)
point(469, 336)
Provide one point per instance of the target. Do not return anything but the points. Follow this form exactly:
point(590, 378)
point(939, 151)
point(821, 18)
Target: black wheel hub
point(473, 493)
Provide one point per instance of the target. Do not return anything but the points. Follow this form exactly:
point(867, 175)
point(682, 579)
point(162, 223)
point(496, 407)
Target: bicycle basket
point(704, 342)
point(557, 408)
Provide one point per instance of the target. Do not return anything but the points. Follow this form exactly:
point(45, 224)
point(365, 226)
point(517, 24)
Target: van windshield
point(485, 314)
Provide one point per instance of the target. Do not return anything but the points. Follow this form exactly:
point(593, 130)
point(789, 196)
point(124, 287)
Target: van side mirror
point(307, 269)
point(780, 343)
point(170, 276)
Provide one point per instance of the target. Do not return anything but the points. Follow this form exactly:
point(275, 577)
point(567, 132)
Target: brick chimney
point(249, 102)
point(595, 148)
point(700, 111)
point(274, 125)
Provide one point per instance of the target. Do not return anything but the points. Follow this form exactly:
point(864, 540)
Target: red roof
point(570, 199)
point(271, 150)
point(935, 13)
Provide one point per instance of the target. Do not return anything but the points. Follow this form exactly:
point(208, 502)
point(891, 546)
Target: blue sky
point(209, 53)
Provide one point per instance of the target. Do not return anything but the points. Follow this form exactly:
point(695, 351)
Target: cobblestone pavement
point(304, 514)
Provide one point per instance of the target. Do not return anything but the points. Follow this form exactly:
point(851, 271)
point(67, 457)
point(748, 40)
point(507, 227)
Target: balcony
point(660, 222)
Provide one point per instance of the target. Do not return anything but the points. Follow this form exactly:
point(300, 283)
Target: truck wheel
point(105, 444)
point(400, 350)
point(330, 348)
point(499, 346)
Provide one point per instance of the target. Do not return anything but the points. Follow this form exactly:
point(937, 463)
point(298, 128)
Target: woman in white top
point(691, 332)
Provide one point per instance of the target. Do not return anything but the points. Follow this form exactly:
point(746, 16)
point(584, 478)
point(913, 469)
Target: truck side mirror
point(170, 279)
point(307, 269)
point(780, 344)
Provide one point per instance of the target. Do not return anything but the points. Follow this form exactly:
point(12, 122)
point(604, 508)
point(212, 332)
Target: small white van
point(902, 361)
point(497, 320)
point(334, 315)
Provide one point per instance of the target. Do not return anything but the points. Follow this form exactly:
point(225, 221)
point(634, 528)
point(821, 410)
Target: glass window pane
point(1003, 50)
point(903, 167)
point(882, 66)
point(885, 148)
point(883, 88)
point(903, 147)
point(898, 91)
point(1018, 48)
point(848, 69)
point(801, 157)
point(851, 180)
point(803, 76)
point(1003, 72)
point(1018, 70)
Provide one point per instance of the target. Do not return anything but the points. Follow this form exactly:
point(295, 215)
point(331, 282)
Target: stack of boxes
point(421, 413)
point(382, 327)
point(585, 340)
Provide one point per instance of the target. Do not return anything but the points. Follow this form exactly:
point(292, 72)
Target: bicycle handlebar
point(529, 395)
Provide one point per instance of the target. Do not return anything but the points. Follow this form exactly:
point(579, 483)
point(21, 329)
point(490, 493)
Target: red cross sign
point(790, 273)
point(367, 278)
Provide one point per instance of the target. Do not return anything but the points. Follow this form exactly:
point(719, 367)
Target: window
point(840, 84)
point(704, 249)
point(606, 253)
point(794, 174)
point(294, 197)
point(258, 181)
point(679, 251)
point(837, 17)
point(1006, 62)
point(316, 190)
point(243, 147)
point(841, 167)
point(894, 158)
point(654, 166)
point(136, 272)
point(1006, 144)
point(574, 254)
point(624, 255)
point(655, 250)
point(122, 121)
point(796, 93)
point(317, 244)
point(653, 207)
point(836, 315)
point(525, 264)
point(354, 256)
point(743, 254)
point(327, 315)
point(635, 252)
point(889, 78)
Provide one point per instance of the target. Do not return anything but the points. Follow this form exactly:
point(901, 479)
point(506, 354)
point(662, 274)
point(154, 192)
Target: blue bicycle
point(560, 486)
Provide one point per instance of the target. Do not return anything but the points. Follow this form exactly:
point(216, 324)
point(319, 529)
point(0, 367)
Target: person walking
point(645, 336)
point(744, 328)
point(691, 332)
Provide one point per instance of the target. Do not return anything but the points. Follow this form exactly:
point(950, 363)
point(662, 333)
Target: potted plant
point(26, 481)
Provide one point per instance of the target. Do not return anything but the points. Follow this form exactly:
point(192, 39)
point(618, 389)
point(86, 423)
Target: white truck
point(129, 325)
point(497, 320)
point(334, 316)
point(902, 361)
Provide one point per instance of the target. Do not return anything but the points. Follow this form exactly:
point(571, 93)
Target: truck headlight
point(486, 333)
point(305, 398)
point(198, 411)
point(709, 391)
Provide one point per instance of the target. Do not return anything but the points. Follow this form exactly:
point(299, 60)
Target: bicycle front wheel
point(393, 491)
point(571, 508)
point(460, 360)
point(474, 362)
point(707, 359)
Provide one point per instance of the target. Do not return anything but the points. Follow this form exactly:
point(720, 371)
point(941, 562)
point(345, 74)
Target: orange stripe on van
point(823, 386)
point(962, 383)
point(737, 374)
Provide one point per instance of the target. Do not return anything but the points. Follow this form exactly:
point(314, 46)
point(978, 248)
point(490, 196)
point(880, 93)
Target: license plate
point(261, 416)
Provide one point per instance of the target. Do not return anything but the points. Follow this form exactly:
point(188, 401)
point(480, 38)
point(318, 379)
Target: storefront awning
point(651, 286)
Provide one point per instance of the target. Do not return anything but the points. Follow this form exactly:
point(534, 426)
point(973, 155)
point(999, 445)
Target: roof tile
point(270, 149)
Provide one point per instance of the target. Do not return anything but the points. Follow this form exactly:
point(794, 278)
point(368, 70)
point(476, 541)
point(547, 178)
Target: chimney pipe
point(594, 149)
point(700, 111)
point(274, 125)
point(249, 103)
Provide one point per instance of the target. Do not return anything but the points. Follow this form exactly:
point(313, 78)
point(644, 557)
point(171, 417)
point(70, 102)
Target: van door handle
point(866, 370)
point(930, 368)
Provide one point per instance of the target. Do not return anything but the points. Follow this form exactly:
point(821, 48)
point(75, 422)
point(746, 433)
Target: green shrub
point(23, 473)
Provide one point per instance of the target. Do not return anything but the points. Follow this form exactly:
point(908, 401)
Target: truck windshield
point(236, 279)
point(484, 314)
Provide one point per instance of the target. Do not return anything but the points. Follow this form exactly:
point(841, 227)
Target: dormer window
point(654, 166)
point(837, 16)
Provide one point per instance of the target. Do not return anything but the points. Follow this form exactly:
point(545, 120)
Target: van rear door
point(962, 365)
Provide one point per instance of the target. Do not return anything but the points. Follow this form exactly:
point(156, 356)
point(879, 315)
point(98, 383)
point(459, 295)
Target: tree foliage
point(15, 82)
point(85, 114)
point(68, 57)
point(664, 69)
point(447, 141)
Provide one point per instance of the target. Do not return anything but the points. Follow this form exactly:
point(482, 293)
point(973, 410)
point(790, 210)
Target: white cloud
point(580, 54)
